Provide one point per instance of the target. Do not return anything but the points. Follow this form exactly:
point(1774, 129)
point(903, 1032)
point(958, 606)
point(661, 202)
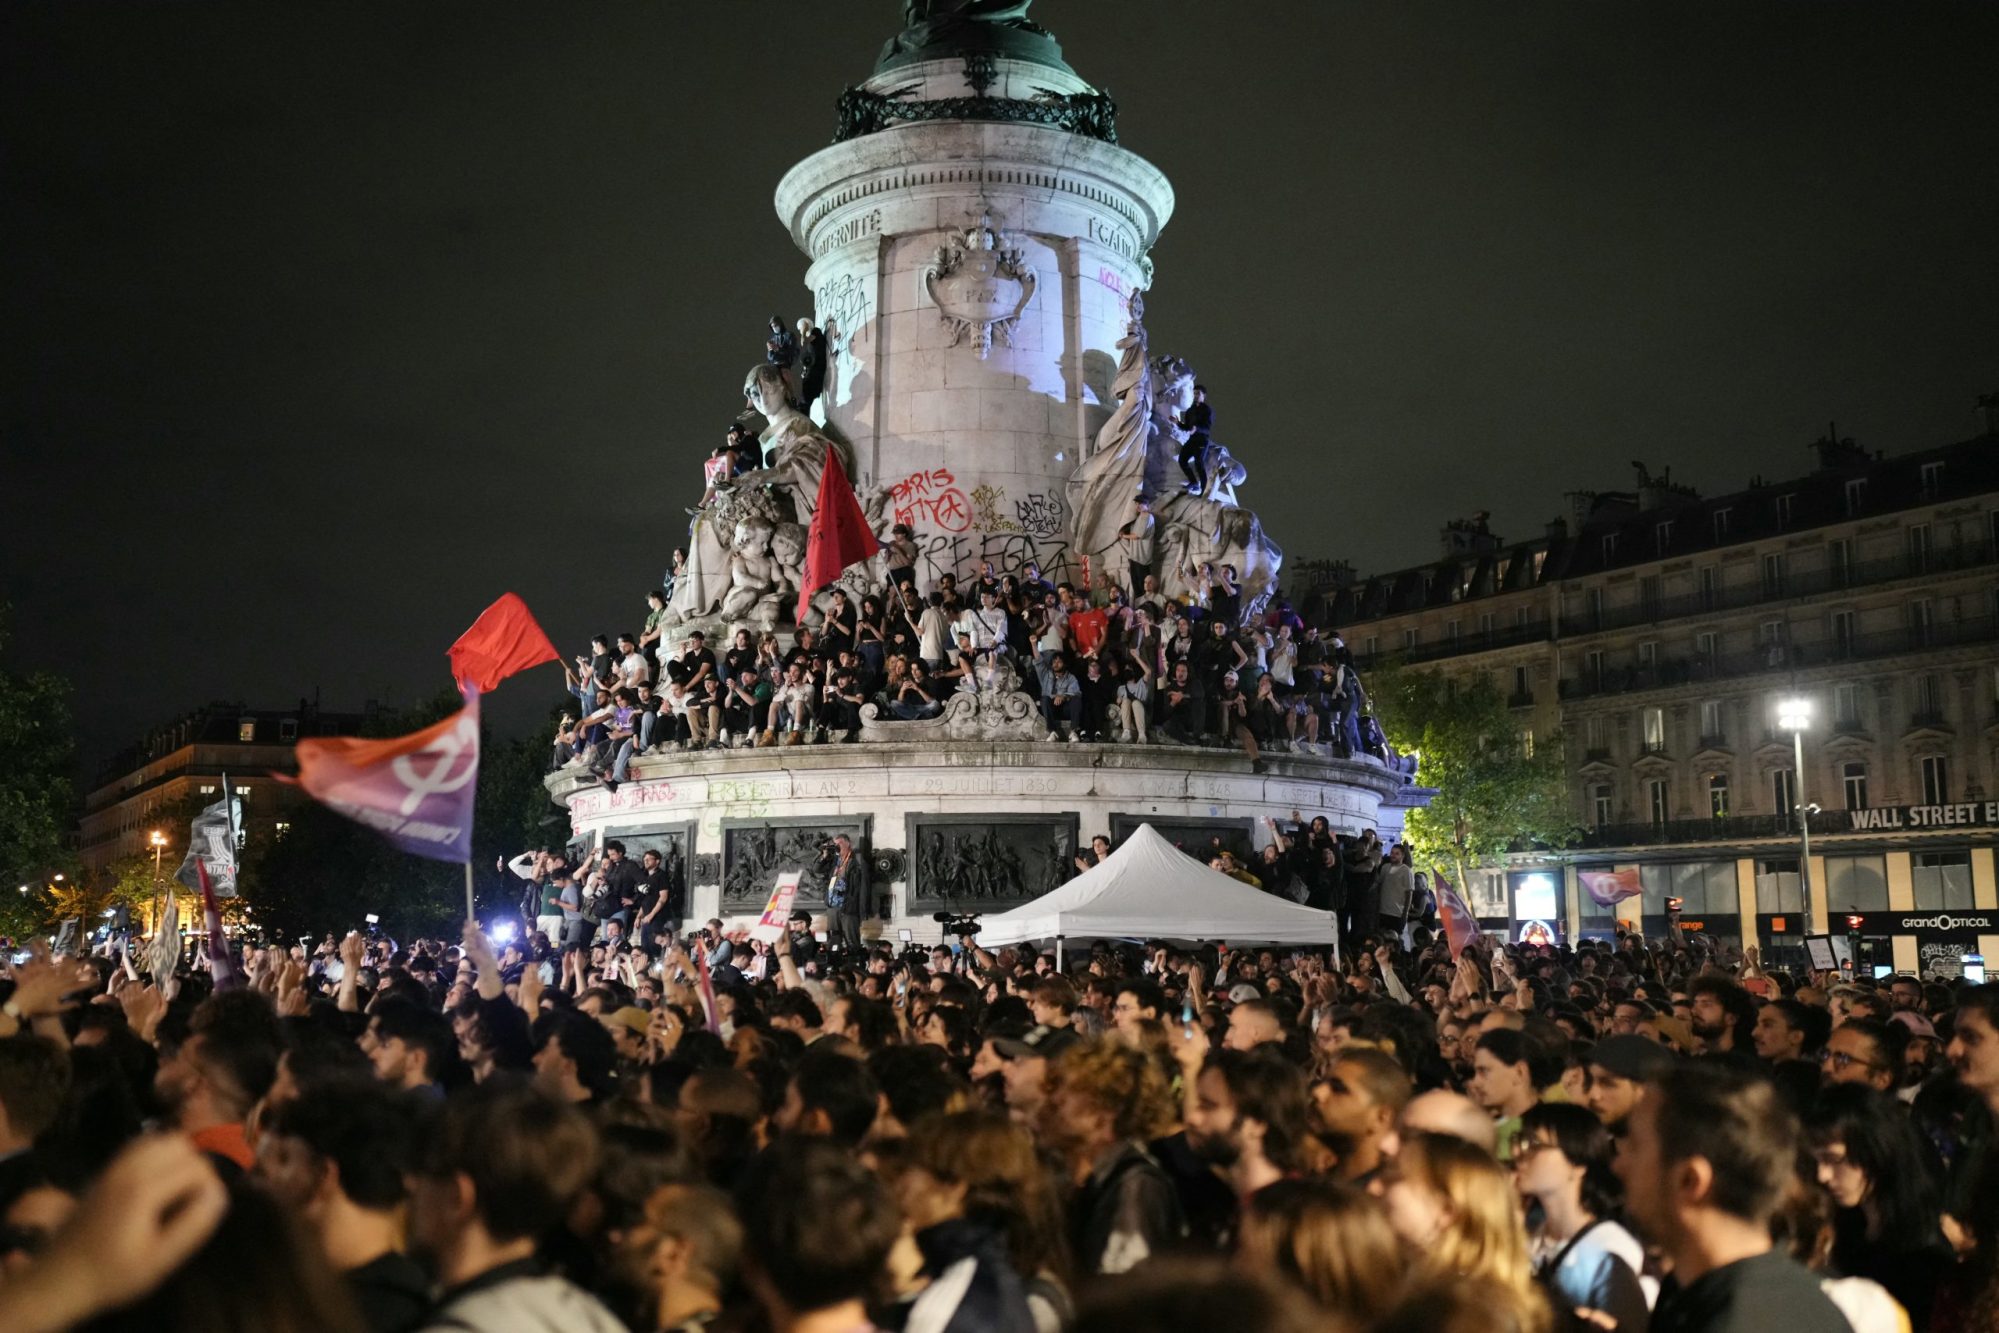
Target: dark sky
point(327, 323)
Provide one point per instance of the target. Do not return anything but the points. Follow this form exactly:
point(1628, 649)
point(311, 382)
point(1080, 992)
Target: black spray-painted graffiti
point(1010, 552)
point(1040, 513)
point(845, 304)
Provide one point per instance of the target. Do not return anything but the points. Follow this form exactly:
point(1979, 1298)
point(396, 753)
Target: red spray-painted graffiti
point(931, 499)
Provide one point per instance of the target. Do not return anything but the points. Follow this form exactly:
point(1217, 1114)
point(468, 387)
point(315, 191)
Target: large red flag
point(840, 534)
point(503, 640)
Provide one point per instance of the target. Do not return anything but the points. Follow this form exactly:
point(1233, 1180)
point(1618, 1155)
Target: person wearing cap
point(1620, 1068)
point(1141, 533)
point(627, 1027)
point(1026, 1072)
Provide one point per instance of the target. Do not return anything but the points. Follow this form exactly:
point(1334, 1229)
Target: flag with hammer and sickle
point(416, 790)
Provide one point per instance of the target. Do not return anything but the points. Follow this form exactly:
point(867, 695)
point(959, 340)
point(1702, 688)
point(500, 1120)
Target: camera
point(957, 925)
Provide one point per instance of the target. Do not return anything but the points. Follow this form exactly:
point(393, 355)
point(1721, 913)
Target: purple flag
point(416, 790)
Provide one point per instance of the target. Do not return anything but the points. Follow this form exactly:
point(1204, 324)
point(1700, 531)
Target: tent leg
point(1058, 953)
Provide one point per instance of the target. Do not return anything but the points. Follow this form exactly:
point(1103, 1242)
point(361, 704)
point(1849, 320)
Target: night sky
point(328, 323)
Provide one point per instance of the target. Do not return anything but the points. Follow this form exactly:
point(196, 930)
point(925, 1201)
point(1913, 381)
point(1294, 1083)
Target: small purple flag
point(416, 790)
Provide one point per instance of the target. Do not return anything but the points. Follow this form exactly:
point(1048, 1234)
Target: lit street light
point(1795, 715)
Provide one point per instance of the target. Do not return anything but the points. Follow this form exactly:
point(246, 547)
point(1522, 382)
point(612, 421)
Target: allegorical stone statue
point(1135, 453)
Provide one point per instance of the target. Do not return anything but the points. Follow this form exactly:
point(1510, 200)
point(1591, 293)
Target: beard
point(1223, 1149)
point(1709, 1031)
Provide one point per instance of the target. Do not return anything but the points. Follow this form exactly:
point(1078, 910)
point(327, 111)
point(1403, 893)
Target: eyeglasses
point(1842, 1062)
point(1526, 1149)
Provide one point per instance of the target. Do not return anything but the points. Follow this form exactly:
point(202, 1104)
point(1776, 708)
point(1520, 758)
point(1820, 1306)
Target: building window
point(1704, 646)
point(1593, 607)
point(1856, 884)
point(1846, 705)
point(1711, 732)
point(1936, 780)
point(1919, 548)
point(1408, 639)
point(1522, 616)
point(1648, 654)
point(1485, 624)
point(1932, 480)
point(208, 790)
point(1785, 504)
point(1662, 536)
point(288, 729)
point(1773, 574)
point(1856, 496)
point(1593, 736)
point(1839, 561)
point(1527, 743)
point(1784, 796)
point(1922, 622)
point(1371, 647)
point(1943, 881)
point(1655, 730)
point(1593, 668)
point(1721, 523)
point(1609, 547)
point(246, 730)
point(1929, 702)
point(1599, 803)
point(1656, 801)
point(282, 827)
point(1853, 778)
point(1650, 590)
point(1777, 888)
point(1717, 795)
point(1842, 633)
point(1451, 633)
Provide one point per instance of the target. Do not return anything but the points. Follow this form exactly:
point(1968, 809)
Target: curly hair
point(1125, 1082)
point(1006, 1183)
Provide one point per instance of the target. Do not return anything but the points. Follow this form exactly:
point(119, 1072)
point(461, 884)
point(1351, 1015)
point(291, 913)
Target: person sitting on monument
point(794, 706)
point(1183, 709)
point(913, 699)
point(1231, 708)
point(746, 708)
point(1198, 420)
point(1099, 688)
point(1134, 694)
point(842, 706)
point(780, 348)
point(1061, 699)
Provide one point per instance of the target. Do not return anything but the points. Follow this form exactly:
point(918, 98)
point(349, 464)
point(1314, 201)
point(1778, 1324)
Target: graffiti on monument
point(930, 498)
point(1010, 552)
point(1040, 513)
point(986, 500)
point(844, 304)
point(988, 863)
point(755, 854)
point(735, 798)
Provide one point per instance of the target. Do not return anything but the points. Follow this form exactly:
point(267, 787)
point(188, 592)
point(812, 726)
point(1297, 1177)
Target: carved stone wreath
point(980, 287)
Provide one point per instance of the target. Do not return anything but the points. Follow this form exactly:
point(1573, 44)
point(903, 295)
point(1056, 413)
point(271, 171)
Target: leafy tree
point(37, 795)
point(1493, 796)
point(328, 872)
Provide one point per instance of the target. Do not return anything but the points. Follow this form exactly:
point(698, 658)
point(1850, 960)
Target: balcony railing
point(1520, 699)
point(1782, 657)
point(1476, 642)
point(1732, 828)
point(1794, 584)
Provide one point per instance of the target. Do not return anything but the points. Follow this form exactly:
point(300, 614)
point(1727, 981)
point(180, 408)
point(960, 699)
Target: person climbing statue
point(1198, 420)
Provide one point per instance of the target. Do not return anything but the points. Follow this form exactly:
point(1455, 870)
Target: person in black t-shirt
point(1198, 420)
point(741, 655)
point(1710, 1152)
point(622, 878)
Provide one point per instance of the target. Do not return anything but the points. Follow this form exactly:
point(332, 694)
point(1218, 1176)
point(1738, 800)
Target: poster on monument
point(778, 910)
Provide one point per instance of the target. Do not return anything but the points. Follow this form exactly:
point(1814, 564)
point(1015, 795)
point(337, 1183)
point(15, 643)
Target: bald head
point(1441, 1111)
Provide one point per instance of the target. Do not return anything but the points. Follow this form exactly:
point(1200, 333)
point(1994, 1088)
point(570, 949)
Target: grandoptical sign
point(1944, 938)
point(1906, 818)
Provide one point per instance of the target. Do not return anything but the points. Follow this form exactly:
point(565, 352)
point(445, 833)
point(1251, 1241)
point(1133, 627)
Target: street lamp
point(159, 841)
point(1794, 715)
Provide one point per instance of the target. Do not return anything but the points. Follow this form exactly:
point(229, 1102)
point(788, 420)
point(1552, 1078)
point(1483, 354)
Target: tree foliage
point(37, 792)
point(327, 872)
point(1493, 796)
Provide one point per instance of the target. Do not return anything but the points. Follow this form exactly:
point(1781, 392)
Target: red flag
point(1460, 925)
point(503, 640)
point(840, 534)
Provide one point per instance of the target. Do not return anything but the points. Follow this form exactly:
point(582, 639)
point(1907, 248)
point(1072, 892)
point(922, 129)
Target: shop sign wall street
point(1903, 818)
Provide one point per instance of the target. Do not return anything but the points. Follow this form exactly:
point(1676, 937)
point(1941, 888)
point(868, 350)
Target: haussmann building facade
point(1654, 635)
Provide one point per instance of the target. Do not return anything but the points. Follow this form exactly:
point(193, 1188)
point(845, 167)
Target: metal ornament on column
point(980, 286)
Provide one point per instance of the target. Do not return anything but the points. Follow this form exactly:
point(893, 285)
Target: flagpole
point(470, 914)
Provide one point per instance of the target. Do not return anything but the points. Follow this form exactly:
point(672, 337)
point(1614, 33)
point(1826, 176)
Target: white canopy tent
point(1150, 889)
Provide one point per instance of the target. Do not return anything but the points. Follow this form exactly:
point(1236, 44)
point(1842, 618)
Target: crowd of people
point(1140, 669)
point(659, 1129)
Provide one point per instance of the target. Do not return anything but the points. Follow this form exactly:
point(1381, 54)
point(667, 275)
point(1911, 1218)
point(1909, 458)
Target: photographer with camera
point(847, 898)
